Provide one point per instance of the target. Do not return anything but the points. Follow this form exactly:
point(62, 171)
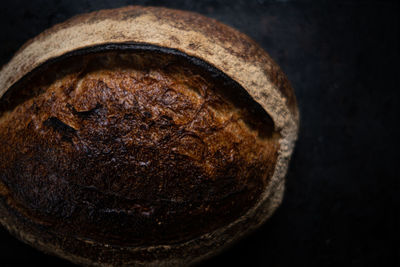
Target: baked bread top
point(133, 148)
point(145, 135)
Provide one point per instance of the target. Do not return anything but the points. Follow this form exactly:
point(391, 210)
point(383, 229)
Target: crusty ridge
point(191, 24)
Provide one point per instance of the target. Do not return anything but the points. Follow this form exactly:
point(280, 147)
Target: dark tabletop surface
point(341, 205)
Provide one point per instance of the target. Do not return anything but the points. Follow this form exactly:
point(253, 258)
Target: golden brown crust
point(216, 44)
point(134, 142)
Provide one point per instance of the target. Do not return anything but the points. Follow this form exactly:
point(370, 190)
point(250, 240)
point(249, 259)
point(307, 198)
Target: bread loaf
point(141, 136)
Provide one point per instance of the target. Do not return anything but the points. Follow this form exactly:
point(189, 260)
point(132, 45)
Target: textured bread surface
point(133, 149)
point(142, 157)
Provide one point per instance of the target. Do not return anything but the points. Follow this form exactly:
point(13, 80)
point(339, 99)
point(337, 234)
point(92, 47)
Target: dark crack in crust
point(132, 148)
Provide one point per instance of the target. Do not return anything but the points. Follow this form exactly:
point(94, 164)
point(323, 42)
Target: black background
point(341, 202)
